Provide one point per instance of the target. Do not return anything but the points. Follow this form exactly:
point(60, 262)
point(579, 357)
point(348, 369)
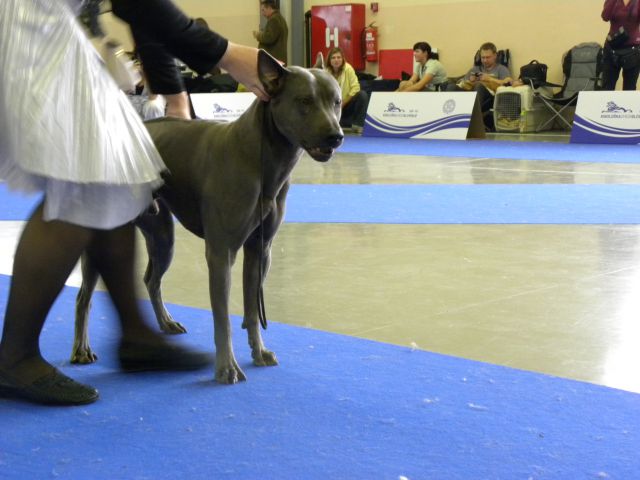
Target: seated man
point(428, 73)
point(485, 78)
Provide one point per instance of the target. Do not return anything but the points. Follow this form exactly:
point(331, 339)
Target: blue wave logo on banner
point(588, 131)
point(387, 129)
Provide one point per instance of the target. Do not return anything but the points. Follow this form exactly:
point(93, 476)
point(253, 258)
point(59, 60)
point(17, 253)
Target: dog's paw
point(264, 358)
point(83, 356)
point(172, 327)
point(228, 371)
point(230, 374)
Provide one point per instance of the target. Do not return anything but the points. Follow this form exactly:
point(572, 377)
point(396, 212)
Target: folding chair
point(582, 69)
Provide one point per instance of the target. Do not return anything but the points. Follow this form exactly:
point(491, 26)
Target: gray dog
point(227, 183)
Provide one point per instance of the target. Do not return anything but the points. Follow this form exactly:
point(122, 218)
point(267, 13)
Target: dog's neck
point(278, 154)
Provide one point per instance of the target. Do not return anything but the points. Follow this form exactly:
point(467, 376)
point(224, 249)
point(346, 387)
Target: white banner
point(607, 117)
point(441, 115)
point(224, 107)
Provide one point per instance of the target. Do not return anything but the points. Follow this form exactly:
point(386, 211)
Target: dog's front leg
point(251, 281)
point(257, 249)
point(219, 261)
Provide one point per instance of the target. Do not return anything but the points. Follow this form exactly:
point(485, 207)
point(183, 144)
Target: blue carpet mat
point(465, 204)
point(494, 149)
point(438, 204)
point(16, 205)
point(336, 407)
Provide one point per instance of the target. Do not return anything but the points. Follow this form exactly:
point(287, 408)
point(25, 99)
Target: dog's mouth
point(321, 154)
point(328, 147)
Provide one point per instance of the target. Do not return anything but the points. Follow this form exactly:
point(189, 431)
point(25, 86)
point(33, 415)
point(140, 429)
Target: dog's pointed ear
point(271, 72)
point(319, 61)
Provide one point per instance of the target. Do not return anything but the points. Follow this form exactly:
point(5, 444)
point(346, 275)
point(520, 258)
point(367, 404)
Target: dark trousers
point(484, 97)
point(626, 60)
point(355, 111)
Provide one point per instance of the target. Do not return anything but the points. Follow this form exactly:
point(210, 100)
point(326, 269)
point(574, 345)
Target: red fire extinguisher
point(370, 35)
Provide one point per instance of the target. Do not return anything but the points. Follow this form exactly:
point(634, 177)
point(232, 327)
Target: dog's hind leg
point(81, 352)
point(158, 232)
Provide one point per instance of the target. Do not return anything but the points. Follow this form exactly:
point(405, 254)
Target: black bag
point(534, 73)
point(626, 58)
point(618, 39)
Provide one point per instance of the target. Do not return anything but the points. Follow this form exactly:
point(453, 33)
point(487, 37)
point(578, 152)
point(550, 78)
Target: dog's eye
point(306, 101)
point(337, 102)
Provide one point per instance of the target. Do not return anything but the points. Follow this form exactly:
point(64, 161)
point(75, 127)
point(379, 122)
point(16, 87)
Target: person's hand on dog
point(242, 64)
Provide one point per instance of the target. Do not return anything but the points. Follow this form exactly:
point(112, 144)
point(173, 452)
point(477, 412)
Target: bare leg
point(112, 255)
point(178, 105)
point(142, 347)
point(45, 256)
point(112, 252)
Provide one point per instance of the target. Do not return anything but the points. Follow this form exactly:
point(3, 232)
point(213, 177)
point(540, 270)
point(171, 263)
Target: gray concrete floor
point(557, 299)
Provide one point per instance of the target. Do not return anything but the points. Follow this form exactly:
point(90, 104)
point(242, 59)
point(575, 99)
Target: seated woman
point(428, 73)
point(354, 100)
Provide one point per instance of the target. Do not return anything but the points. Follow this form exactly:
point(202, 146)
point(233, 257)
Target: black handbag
point(534, 73)
point(626, 57)
point(618, 39)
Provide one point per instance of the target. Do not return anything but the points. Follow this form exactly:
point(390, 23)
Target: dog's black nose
point(334, 140)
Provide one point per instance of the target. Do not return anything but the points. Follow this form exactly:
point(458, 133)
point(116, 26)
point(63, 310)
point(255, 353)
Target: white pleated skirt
point(65, 127)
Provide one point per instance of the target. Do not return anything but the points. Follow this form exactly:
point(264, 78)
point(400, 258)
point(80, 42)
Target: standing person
point(354, 100)
point(428, 73)
point(83, 145)
point(273, 38)
point(622, 47)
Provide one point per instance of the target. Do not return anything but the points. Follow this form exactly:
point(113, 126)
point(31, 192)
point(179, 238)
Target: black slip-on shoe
point(53, 388)
point(140, 357)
